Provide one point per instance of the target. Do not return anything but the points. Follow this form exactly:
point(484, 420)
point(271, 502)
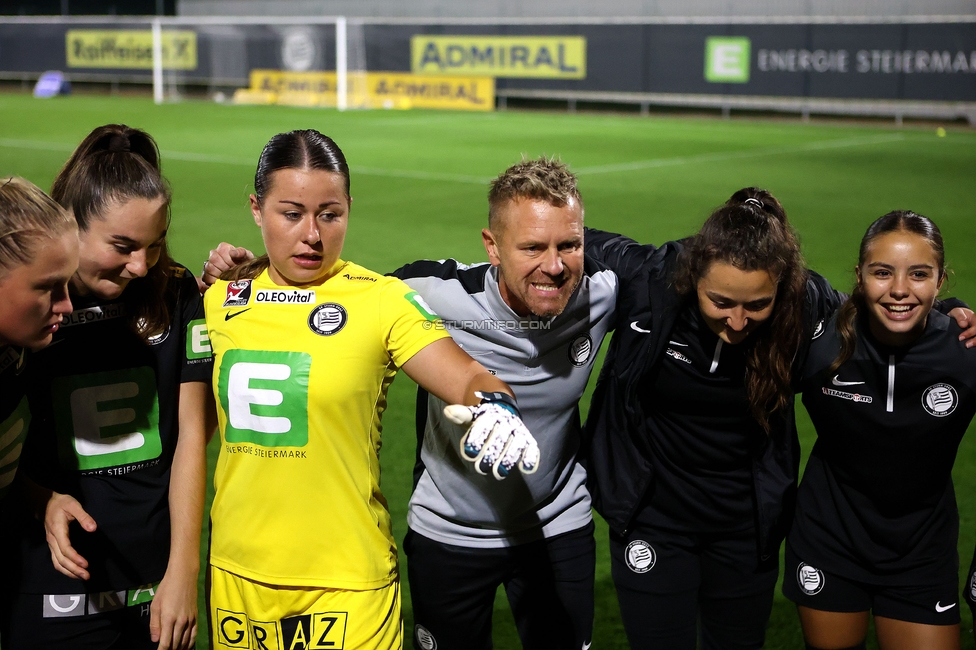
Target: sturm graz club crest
point(640, 556)
point(425, 640)
point(580, 349)
point(327, 319)
point(810, 579)
point(940, 400)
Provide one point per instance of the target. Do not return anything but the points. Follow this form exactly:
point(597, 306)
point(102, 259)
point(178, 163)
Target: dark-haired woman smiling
point(891, 391)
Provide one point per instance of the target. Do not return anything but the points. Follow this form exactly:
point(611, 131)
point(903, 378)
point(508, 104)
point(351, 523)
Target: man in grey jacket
point(535, 316)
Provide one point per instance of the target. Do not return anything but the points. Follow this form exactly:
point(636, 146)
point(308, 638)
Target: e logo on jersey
point(264, 396)
point(580, 349)
point(197, 340)
point(238, 293)
point(640, 556)
point(107, 419)
point(811, 580)
point(940, 400)
point(327, 319)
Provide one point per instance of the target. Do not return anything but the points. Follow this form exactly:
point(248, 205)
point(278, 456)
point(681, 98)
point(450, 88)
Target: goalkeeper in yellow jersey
point(305, 347)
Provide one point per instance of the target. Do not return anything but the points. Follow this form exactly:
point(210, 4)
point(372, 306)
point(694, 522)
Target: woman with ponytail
point(306, 345)
point(891, 390)
point(692, 444)
point(108, 554)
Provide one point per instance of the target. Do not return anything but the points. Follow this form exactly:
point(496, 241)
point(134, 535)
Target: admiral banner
point(923, 61)
point(547, 57)
point(372, 90)
point(129, 49)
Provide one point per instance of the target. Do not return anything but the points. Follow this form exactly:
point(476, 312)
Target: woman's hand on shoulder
point(173, 613)
point(60, 511)
point(967, 322)
point(223, 258)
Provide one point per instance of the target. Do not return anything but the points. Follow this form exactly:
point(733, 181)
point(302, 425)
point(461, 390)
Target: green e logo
point(265, 397)
point(106, 419)
point(727, 59)
point(197, 340)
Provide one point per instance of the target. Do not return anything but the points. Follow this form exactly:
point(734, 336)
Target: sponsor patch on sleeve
point(417, 301)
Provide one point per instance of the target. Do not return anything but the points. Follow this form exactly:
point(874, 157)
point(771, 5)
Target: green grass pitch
point(419, 180)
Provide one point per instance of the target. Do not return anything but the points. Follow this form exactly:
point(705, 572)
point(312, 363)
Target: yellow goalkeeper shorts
point(249, 615)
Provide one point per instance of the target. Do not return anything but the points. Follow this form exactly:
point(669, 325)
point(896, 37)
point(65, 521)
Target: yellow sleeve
point(411, 323)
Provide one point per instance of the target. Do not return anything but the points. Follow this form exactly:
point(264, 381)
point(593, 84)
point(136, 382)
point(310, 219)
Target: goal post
point(226, 49)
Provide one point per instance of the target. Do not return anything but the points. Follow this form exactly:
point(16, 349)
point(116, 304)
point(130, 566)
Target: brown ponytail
point(113, 165)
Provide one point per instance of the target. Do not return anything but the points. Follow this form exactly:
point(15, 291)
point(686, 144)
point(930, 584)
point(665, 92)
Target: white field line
point(188, 156)
point(637, 165)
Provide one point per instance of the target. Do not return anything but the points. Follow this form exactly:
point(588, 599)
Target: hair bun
point(119, 142)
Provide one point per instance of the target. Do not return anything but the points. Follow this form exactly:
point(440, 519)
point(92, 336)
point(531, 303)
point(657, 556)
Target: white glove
point(496, 438)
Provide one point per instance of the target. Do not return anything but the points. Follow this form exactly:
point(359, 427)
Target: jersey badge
point(940, 400)
point(425, 640)
point(158, 338)
point(580, 350)
point(362, 278)
point(327, 319)
point(972, 585)
point(818, 331)
point(285, 296)
point(810, 579)
point(9, 356)
point(674, 354)
point(94, 314)
point(640, 556)
point(854, 397)
point(238, 293)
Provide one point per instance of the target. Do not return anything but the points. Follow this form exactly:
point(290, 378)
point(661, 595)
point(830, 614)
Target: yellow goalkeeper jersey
point(301, 376)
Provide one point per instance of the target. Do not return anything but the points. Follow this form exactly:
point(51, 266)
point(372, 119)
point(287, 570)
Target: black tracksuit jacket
point(618, 452)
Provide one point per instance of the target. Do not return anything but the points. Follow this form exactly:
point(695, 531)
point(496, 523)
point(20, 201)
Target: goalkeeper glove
point(496, 439)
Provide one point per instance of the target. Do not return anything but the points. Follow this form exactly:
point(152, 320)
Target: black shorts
point(676, 589)
point(549, 585)
point(38, 622)
point(932, 602)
